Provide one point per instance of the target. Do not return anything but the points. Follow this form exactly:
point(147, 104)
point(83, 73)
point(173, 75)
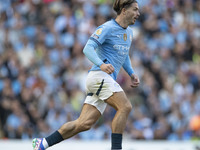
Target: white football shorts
point(99, 87)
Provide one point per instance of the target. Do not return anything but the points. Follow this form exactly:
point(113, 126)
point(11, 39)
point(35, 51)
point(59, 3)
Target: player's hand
point(135, 81)
point(108, 68)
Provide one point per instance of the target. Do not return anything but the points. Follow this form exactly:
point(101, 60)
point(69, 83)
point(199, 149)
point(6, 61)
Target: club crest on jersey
point(99, 31)
point(125, 37)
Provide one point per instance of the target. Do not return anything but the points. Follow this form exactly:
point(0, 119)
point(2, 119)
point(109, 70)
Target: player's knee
point(127, 107)
point(86, 125)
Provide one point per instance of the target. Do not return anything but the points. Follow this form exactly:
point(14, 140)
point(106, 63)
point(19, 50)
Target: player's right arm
point(90, 53)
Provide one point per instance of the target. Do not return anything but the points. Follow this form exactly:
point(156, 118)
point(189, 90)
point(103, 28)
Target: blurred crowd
point(43, 69)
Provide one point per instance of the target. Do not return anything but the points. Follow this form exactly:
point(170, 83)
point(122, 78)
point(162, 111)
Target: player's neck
point(121, 22)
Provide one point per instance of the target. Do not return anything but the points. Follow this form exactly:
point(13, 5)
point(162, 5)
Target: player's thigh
point(89, 115)
point(119, 101)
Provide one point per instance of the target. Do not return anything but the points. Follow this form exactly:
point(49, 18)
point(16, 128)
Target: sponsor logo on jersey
point(121, 47)
point(121, 50)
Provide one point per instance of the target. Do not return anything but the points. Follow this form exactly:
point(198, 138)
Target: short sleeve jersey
point(114, 44)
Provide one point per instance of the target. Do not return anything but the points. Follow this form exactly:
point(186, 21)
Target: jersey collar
point(118, 24)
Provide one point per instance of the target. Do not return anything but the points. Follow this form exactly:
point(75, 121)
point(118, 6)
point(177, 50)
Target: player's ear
point(123, 11)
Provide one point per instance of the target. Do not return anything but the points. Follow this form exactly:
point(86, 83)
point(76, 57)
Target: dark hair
point(120, 4)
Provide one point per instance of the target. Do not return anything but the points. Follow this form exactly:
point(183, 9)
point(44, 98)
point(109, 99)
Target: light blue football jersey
point(114, 44)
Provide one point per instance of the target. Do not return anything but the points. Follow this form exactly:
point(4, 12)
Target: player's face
point(132, 13)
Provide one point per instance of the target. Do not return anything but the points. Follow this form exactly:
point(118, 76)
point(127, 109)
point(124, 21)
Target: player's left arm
point(135, 81)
